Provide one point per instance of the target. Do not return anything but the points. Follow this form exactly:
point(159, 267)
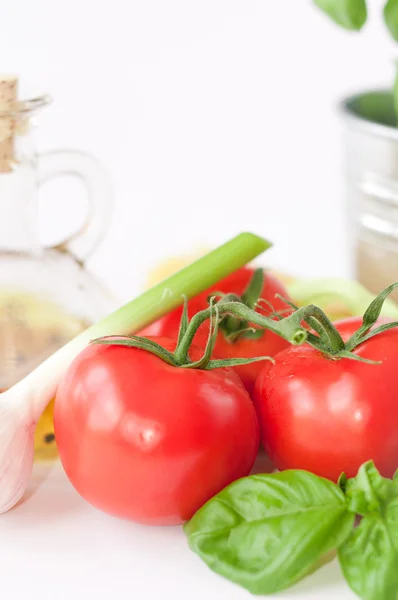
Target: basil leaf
point(350, 14)
point(369, 557)
point(369, 491)
point(395, 93)
point(391, 17)
point(342, 482)
point(265, 532)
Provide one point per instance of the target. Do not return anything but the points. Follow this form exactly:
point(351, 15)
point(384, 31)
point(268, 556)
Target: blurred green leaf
point(350, 14)
point(395, 93)
point(391, 17)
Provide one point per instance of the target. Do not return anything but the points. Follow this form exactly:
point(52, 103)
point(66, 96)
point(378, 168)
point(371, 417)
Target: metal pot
point(371, 175)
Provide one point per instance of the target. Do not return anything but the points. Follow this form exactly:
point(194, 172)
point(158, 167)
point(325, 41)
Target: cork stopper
point(8, 103)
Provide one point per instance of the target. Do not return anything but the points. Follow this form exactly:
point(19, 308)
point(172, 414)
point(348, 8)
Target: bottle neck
point(18, 210)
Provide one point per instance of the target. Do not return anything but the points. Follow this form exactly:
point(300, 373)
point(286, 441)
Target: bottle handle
point(99, 190)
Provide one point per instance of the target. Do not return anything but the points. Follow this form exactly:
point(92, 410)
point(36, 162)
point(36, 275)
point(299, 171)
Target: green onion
point(190, 281)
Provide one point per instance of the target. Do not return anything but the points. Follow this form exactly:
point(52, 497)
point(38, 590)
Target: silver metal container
point(371, 173)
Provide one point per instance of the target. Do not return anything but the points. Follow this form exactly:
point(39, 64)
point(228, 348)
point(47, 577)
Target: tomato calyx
point(327, 339)
point(234, 328)
point(289, 328)
point(323, 335)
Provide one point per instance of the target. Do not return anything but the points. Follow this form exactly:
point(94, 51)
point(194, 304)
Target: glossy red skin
point(145, 441)
point(268, 345)
point(328, 416)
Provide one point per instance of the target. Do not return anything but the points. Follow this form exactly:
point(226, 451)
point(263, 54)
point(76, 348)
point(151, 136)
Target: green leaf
point(391, 17)
point(342, 482)
point(369, 557)
point(395, 94)
point(368, 492)
point(350, 14)
point(265, 532)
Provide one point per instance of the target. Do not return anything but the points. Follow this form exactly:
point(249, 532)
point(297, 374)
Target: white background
point(211, 116)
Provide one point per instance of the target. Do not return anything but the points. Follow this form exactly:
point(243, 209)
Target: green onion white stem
point(22, 405)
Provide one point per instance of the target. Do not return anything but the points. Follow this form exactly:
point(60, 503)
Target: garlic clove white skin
point(20, 409)
point(17, 427)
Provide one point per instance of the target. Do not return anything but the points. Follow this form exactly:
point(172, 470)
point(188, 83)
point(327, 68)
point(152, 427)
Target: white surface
point(223, 107)
point(56, 547)
point(211, 116)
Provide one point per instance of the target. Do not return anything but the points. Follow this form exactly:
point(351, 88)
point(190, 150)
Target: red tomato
point(328, 416)
point(268, 345)
point(149, 442)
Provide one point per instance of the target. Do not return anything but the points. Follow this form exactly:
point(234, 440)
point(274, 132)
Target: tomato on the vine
point(268, 344)
point(329, 415)
point(147, 441)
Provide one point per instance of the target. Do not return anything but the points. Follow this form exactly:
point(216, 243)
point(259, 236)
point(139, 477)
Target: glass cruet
point(46, 295)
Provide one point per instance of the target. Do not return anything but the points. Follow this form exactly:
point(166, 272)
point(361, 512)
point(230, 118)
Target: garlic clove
point(17, 427)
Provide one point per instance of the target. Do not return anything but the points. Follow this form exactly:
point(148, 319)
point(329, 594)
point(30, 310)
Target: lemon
point(44, 443)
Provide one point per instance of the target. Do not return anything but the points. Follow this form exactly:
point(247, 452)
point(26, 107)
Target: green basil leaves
point(369, 557)
point(391, 17)
point(266, 532)
point(369, 492)
point(350, 14)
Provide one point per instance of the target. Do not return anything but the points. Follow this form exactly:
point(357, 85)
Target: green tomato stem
point(288, 328)
point(328, 334)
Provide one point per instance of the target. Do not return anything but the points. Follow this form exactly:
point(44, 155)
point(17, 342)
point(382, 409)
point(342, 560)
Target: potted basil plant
point(370, 121)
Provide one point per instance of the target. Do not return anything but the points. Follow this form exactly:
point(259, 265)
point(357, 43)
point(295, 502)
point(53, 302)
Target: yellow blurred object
point(283, 277)
point(170, 266)
point(45, 446)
